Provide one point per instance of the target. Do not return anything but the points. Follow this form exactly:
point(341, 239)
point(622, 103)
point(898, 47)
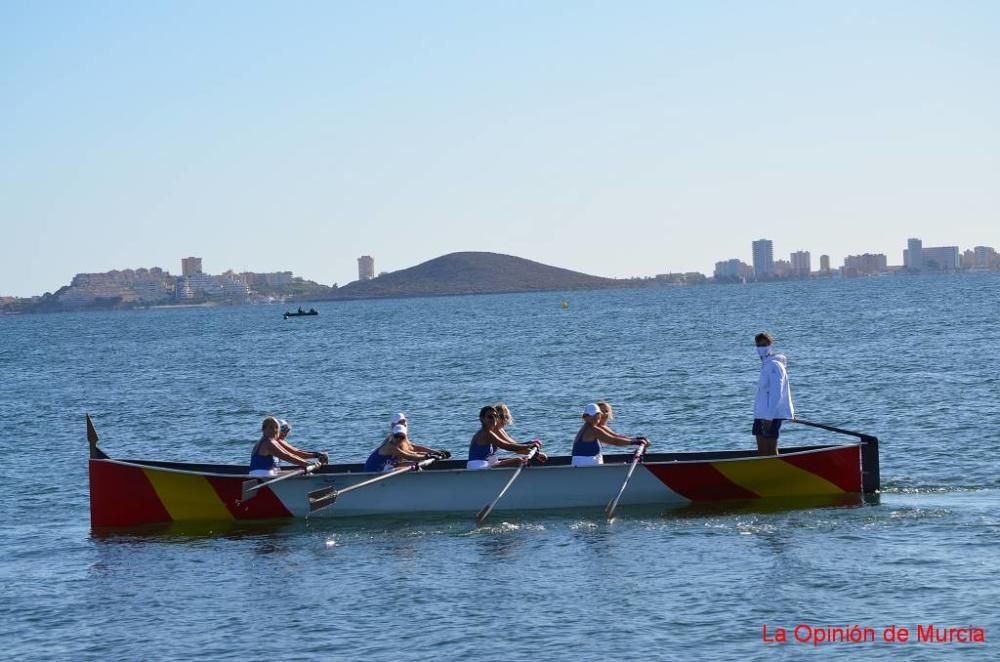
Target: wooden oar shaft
point(249, 490)
point(830, 428)
point(387, 474)
point(322, 498)
point(484, 513)
point(635, 462)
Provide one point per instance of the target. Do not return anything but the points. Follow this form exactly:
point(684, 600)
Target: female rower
point(490, 437)
point(264, 459)
point(395, 452)
point(505, 418)
point(400, 420)
point(587, 445)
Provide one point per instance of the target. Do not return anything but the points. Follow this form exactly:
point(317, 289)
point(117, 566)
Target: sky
point(613, 138)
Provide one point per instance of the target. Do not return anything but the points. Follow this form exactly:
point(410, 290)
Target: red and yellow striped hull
point(127, 493)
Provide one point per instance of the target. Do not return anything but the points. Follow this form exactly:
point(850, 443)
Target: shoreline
point(649, 283)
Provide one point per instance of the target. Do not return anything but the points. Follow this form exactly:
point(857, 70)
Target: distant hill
point(473, 273)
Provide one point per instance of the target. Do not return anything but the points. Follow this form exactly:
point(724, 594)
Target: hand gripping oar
point(250, 487)
point(319, 499)
point(610, 510)
point(484, 513)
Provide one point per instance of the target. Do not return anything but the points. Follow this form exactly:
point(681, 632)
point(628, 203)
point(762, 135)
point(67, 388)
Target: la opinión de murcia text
point(819, 635)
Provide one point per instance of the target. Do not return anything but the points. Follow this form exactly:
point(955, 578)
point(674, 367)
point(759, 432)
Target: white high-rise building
point(913, 257)
point(366, 267)
point(763, 258)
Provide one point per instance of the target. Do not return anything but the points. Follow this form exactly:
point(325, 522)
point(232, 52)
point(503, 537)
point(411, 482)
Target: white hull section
point(459, 490)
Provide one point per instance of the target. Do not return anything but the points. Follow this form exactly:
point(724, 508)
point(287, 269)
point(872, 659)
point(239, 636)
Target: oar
point(610, 510)
point(250, 487)
point(860, 435)
point(484, 513)
point(319, 499)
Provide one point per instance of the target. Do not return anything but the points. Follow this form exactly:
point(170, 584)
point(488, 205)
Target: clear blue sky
point(614, 138)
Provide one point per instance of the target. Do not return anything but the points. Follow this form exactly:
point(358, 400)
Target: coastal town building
point(275, 279)
point(980, 258)
point(190, 266)
point(868, 264)
point(228, 287)
point(942, 258)
point(125, 286)
point(918, 257)
point(913, 256)
point(366, 267)
point(824, 264)
point(687, 278)
point(763, 258)
point(801, 263)
point(732, 270)
point(983, 258)
point(129, 288)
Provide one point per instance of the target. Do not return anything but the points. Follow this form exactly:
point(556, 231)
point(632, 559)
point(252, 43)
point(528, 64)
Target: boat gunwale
point(242, 471)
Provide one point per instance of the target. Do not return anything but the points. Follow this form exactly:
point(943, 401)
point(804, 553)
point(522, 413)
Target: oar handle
point(860, 435)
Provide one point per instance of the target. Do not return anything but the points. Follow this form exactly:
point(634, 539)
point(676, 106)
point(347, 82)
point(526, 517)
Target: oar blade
point(322, 499)
point(247, 490)
point(483, 514)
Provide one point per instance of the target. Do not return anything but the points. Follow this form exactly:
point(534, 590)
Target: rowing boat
point(302, 313)
point(127, 493)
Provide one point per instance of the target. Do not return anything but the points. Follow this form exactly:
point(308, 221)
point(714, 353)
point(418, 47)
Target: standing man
point(773, 401)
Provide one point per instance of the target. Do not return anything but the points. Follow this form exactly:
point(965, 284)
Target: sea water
point(913, 360)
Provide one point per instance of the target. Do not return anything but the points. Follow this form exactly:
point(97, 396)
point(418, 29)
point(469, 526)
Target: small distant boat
point(301, 313)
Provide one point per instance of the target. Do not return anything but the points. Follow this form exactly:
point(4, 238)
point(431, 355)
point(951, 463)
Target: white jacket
point(774, 394)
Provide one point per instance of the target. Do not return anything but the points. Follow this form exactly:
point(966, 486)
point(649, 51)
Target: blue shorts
point(758, 428)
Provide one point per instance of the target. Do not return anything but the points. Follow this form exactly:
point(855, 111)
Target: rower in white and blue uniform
point(488, 439)
point(587, 445)
point(396, 451)
point(266, 453)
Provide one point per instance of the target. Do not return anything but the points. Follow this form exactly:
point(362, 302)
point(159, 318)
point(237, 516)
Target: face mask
point(764, 351)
